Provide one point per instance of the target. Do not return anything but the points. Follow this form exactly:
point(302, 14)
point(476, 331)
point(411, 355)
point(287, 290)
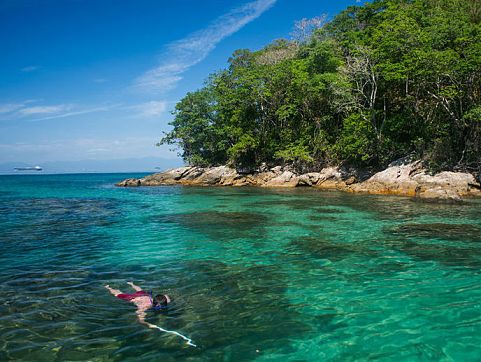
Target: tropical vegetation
point(378, 82)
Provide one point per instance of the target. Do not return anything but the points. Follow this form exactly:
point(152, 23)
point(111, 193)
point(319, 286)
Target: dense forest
point(380, 81)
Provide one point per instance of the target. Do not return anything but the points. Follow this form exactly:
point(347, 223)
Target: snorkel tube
point(188, 340)
point(164, 307)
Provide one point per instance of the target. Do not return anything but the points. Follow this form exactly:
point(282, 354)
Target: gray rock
point(350, 180)
point(412, 180)
point(130, 182)
point(277, 170)
point(285, 179)
point(309, 179)
point(401, 178)
point(330, 177)
point(212, 176)
point(192, 174)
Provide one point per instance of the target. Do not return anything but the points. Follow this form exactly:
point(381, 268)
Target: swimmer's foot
point(112, 290)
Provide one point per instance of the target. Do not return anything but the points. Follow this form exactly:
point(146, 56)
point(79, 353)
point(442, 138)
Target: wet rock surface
point(403, 177)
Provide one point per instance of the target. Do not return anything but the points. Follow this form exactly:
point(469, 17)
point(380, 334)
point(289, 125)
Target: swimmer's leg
point(136, 288)
point(113, 291)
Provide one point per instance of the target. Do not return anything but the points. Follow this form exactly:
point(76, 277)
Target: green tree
point(378, 82)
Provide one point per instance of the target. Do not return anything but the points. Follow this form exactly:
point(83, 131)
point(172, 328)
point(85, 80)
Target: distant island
point(380, 82)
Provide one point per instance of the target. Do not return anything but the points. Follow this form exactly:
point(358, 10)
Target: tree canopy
point(380, 81)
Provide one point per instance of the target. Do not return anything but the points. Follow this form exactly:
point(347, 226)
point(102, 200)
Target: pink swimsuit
point(133, 295)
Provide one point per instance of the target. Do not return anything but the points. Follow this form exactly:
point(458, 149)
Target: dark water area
point(254, 274)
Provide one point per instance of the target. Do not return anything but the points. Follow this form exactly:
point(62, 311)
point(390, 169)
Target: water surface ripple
point(255, 274)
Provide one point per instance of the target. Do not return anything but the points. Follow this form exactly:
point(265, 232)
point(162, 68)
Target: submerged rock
point(461, 255)
point(403, 177)
point(241, 224)
point(452, 232)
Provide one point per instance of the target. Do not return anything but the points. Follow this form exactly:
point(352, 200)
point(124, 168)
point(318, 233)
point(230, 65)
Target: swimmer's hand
point(150, 325)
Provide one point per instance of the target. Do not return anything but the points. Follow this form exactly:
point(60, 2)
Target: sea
point(255, 274)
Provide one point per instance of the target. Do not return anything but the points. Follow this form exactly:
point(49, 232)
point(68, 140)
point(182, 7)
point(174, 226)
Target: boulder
point(351, 180)
point(330, 178)
point(439, 193)
point(130, 182)
point(232, 178)
point(412, 180)
point(177, 173)
point(285, 179)
point(192, 174)
point(446, 185)
point(309, 179)
point(240, 181)
point(169, 177)
point(393, 180)
point(214, 175)
point(262, 178)
point(277, 170)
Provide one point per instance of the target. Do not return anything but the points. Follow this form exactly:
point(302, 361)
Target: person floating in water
point(143, 300)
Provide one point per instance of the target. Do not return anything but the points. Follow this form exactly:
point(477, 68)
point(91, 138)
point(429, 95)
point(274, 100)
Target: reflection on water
point(255, 274)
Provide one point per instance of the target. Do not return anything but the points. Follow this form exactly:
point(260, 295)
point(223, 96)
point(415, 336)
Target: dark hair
point(160, 299)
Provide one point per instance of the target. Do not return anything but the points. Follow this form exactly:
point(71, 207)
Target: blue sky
point(93, 80)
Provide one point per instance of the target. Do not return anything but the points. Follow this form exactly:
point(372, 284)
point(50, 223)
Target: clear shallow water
point(256, 274)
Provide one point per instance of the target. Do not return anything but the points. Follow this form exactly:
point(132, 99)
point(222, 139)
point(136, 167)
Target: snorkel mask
point(159, 307)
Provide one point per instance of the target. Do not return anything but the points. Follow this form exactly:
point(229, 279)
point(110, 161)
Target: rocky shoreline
point(400, 178)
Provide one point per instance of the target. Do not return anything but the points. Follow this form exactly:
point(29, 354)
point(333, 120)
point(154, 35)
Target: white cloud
point(35, 110)
point(83, 148)
point(151, 109)
point(185, 53)
point(10, 107)
point(97, 150)
point(30, 68)
point(41, 149)
point(32, 113)
point(75, 113)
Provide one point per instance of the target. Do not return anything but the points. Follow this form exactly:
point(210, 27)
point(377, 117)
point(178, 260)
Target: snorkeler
point(143, 300)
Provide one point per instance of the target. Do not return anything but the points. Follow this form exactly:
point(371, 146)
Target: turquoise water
point(255, 274)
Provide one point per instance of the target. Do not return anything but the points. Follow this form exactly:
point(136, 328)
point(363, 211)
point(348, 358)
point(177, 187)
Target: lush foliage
point(378, 82)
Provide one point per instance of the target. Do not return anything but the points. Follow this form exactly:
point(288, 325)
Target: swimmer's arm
point(136, 288)
point(141, 318)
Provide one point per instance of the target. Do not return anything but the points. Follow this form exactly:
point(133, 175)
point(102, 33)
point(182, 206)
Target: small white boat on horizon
point(33, 168)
